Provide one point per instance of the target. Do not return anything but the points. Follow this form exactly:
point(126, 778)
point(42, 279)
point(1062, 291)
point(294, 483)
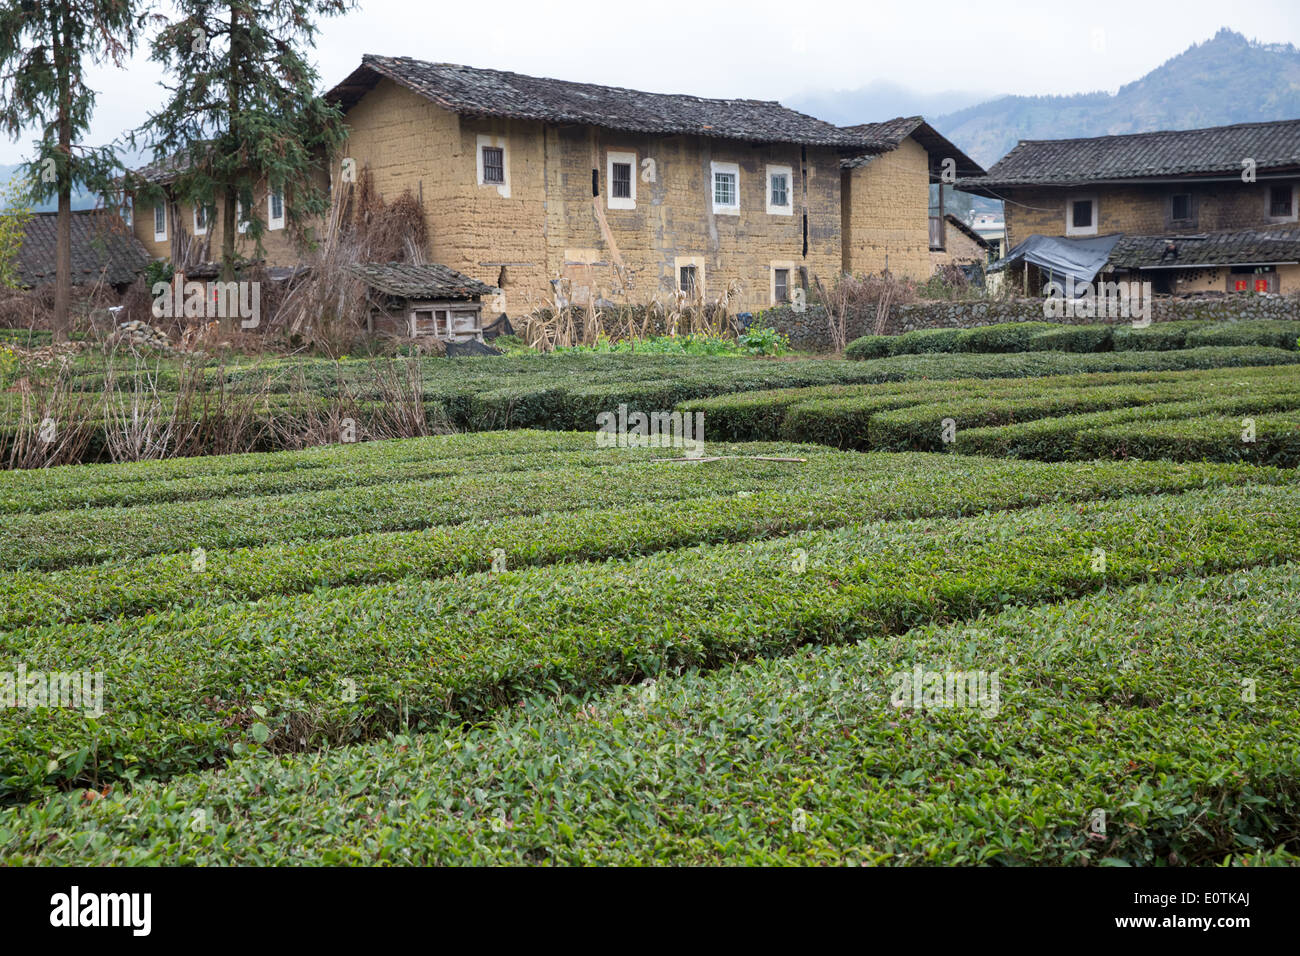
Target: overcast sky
point(760, 48)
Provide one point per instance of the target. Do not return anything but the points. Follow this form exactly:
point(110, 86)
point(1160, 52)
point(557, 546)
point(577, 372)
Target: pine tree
point(44, 47)
point(243, 113)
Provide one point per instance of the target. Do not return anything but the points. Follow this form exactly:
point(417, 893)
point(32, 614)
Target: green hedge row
point(714, 768)
point(568, 392)
point(398, 461)
point(921, 427)
point(1049, 336)
point(1057, 439)
point(912, 416)
point(1282, 335)
point(746, 501)
point(1157, 337)
point(611, 477)
point(185, 688)
point(71, 480)
point(761, 416)
point(1274, 439)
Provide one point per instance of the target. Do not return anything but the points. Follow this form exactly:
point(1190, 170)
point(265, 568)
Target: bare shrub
point(400, 386)
point(52, 419)
point(862, 297)
point(137, 424)
point(222, 420)
point(562, 324)
point(327, 306)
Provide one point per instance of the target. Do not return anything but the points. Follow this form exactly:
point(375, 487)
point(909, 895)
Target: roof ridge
point(602, 86)
point(486, 91)
point(1161, 132)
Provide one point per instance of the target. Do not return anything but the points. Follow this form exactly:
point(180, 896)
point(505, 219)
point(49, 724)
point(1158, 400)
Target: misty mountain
point(80, 200)
point(1227, 79)
point(878, 101)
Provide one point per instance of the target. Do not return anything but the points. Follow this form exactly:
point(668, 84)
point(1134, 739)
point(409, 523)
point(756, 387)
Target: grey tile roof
point(480, 92)
point(408, 281)
point(1243, 247)
point(164, 170)
point(887, 134)
point(103, 246)
point(876, 138)
point(1217, 149)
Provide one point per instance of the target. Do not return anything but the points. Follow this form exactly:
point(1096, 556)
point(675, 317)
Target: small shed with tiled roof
point(103, 250)
point(423, 299)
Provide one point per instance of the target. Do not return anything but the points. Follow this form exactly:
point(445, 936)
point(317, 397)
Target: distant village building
point(1198, 210)
point(992, 229)
point(189, 235)
point(963, 246)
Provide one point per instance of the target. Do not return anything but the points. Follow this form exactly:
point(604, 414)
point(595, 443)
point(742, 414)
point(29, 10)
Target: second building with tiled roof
point(1194, 207)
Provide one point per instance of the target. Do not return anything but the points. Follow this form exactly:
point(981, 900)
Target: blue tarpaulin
point(1077, 259)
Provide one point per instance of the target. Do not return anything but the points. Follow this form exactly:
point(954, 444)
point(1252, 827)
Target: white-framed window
point(1081, 213)
point(726, 188)
point(275, 209)
point(620, 174)
point(128, 212)
point(492, 162)
point(780, 190)
point(1282, 203)
point(200, 220)
point(782, 278)
point(160, 222)
point(241, 224)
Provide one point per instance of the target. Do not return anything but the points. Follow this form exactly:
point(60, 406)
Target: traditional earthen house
point(1214, 209)
point(626, 195)
point(554, 191)
point(190, 235)
point(887, 218)
point(963, 246)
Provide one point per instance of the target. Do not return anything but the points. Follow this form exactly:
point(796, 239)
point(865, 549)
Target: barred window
point(494, 166)
point(1082, 213)
point(621, 185)
point(687, 279)
point(1279, 202)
